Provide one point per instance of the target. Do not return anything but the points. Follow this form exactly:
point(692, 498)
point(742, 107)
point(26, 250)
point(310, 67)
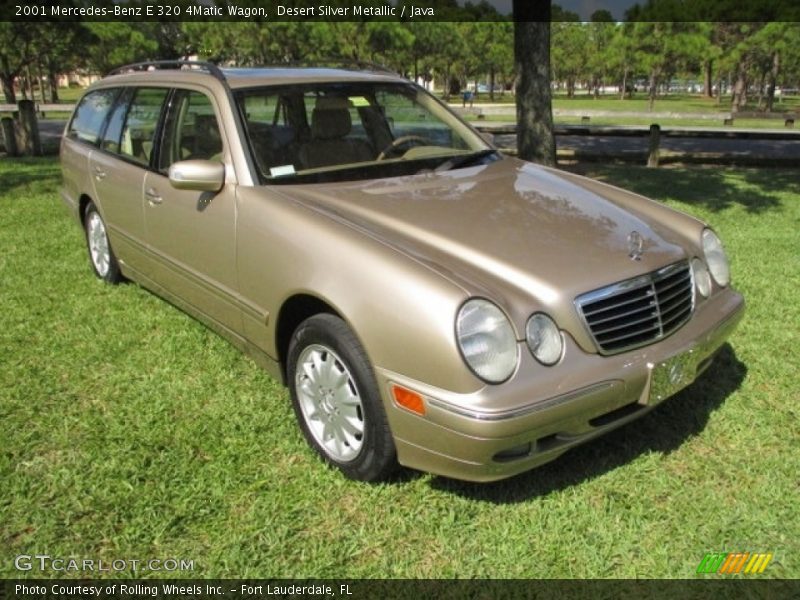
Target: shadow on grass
point(663, 430)
point(29, 175)
point(757, 190)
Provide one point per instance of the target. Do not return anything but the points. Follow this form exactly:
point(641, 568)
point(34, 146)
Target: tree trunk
point(761, 89)
point(719, 90)
point(41, 81)
point(29, 81)
point(773, 78)
point(707, 91)
point(8, 88)
point(652, 92)
point(624, 84)
point(535, 140)
point(53, 76)
point(491, 83)
point(28, 132)
point(740, 89)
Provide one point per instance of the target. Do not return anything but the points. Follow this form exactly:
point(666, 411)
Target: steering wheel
point(403, 139)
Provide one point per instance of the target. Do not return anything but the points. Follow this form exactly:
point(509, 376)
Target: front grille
point(639, 311)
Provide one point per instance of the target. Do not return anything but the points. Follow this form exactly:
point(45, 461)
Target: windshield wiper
point(462, 160)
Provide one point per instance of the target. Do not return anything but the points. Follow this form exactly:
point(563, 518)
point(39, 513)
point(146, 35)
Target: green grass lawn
point(70, 94)
point(131, 431)
point(688, 103)
point(674, 103)
point(645, 121)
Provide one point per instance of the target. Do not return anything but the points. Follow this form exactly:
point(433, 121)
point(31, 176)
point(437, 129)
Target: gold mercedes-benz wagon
point(428, 301)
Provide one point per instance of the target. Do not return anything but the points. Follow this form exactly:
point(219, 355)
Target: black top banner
point(277, 11)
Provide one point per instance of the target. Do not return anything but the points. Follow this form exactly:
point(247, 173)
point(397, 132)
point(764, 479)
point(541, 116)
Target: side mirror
point(199, 175)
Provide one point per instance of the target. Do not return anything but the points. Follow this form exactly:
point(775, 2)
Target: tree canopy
point(652, 53)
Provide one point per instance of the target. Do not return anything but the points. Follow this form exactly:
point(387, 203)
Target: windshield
point(349, 131)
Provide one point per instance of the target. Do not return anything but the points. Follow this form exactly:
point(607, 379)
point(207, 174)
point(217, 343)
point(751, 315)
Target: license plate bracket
point(670, 376)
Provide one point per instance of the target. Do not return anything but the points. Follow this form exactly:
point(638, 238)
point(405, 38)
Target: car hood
point(504, 229)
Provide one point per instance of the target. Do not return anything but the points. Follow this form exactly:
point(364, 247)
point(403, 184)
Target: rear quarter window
point(89, 116)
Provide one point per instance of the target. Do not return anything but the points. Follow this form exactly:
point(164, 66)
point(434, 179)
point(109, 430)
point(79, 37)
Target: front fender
point(402, 311)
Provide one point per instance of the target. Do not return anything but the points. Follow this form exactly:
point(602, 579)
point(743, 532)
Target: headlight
point(544, 339)
point(486, 340)
point(702, 280)
point(715, 258)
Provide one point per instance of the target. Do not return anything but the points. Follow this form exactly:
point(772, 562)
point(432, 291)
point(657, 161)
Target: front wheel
point(102, 258)
point(336, 399)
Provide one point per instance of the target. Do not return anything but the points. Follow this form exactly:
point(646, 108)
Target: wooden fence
point(655, 134)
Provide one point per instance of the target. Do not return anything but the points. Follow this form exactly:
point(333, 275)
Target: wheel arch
point(293, 311)
point(83, 203)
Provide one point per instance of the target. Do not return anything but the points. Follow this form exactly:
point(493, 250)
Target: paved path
point(612, 146)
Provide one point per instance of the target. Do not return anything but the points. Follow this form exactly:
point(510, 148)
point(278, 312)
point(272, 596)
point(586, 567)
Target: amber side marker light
point(409, 400)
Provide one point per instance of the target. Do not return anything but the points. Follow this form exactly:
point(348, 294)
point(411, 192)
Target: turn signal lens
point(409, 400)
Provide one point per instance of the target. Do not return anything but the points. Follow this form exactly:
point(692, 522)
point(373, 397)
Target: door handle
point(99, 173)
point(152, 196)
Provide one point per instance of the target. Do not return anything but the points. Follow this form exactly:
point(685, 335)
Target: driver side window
point(407, 118)
point(191, 130)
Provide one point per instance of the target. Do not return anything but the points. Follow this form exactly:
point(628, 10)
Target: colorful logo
point(730, 563)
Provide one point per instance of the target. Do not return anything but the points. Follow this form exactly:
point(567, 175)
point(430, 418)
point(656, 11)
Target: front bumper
point(542, 412)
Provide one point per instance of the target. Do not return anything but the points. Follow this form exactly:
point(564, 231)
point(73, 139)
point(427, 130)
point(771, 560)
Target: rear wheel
point(336, 399)
point(102, 258)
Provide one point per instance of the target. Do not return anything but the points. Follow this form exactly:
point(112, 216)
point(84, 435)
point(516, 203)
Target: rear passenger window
point(140, 126)
point(90, 115)
point(191, 130)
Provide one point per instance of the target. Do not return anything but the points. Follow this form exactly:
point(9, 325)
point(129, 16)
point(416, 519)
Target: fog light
point(515, 453)
point(544, 339)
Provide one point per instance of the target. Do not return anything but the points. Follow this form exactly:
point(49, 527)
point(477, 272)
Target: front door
point(193, 234)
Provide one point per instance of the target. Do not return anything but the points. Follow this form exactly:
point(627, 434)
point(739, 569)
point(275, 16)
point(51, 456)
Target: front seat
point(206, 143)
point(330, 125)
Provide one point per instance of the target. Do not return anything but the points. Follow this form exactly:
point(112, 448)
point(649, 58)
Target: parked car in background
point(428, 301)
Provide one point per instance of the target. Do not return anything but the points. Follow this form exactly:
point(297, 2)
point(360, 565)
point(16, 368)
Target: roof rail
point(346, 63)
point(172, 64)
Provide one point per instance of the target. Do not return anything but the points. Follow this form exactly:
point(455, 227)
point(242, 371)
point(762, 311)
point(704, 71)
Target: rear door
point(193, 233)
point(80, 139)
point(118, 168)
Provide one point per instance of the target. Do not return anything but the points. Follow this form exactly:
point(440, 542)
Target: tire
point(336, 400)
point(101, 256)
